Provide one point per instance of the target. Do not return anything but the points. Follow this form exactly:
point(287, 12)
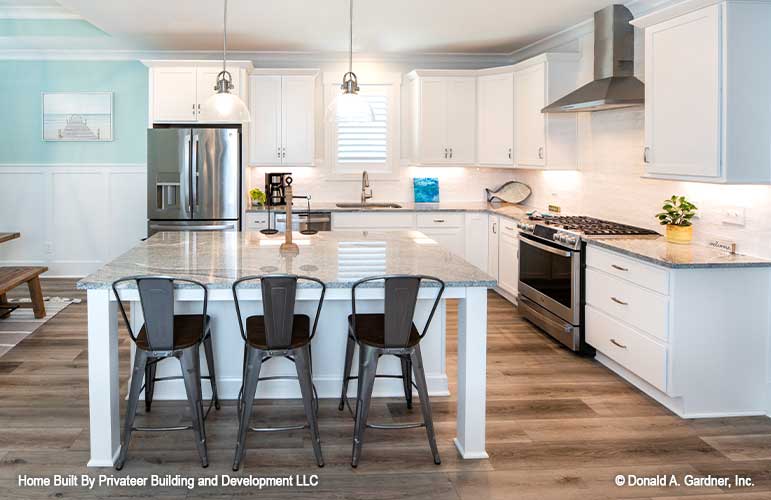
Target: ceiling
point(392, 26)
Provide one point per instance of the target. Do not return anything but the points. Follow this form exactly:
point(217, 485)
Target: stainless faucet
point(364, 185)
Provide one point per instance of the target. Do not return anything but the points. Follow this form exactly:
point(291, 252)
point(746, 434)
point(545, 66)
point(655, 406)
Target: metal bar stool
point(392, 332)
point(279, 332)
point(166, 335)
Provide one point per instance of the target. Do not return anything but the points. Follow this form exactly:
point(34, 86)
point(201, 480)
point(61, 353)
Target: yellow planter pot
point(679, 234)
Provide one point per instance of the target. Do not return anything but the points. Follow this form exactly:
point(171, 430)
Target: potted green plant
point(257, 196)
point(677, 216)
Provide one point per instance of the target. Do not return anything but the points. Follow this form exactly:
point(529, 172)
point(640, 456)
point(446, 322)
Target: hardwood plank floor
point(559, 427)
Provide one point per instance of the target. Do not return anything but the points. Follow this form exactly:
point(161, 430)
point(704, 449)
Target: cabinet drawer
point(441, 219)
point(255, 221)
point(652, 277)
point(639, 307)
point(643, 356)
point(509, 228)
point(373, 221)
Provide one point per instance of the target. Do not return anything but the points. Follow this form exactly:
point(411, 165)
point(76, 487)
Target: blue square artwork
point(426, 189)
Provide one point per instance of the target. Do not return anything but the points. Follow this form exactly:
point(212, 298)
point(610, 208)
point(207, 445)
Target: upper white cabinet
point(178, 89)
point(282, 131)
point(707, 99)
point(443, 117)
point(495, 118)
point(545, 140)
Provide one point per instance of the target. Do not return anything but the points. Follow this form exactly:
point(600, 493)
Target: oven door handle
point(547, 248)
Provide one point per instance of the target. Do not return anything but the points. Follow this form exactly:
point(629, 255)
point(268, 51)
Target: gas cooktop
point(567, 230)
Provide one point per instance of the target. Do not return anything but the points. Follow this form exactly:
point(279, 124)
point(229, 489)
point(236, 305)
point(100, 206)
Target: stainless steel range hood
point(614, 84)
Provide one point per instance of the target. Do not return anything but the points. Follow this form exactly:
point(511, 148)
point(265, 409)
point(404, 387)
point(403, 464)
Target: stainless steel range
point(551, 271)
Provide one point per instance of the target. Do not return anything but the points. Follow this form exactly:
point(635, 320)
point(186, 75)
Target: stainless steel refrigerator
point(193, 179)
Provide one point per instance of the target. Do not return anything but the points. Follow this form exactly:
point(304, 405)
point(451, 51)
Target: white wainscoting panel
point(72, 218)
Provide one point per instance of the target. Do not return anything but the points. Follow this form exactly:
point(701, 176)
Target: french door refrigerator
point(193, 179)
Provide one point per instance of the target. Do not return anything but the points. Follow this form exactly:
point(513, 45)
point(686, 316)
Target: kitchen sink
point(368, 205)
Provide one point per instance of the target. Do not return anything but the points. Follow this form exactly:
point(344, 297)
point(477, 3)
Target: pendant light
point(349, 105)
point(224, 106)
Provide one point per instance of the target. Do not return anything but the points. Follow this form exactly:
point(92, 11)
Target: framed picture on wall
point(77, 116)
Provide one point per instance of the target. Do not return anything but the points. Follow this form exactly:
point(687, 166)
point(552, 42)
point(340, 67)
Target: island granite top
point(338, 258)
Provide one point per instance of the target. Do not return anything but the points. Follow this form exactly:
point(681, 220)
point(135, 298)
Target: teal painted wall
point(21, 85)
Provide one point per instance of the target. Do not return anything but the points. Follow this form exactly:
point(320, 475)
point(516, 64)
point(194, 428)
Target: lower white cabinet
point(254, 221)
point(476, 239)
point(369, 221)
point(493, 237)
point(508, 257)
point(694, 339)
point(446, 228)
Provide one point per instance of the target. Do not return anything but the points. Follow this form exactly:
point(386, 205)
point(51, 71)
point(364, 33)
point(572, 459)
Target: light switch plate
point(735, 216)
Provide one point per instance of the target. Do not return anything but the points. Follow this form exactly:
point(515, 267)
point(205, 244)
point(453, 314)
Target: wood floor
point(559, 427)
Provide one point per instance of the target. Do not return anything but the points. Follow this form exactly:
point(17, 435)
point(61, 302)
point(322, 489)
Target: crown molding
point(36, 12)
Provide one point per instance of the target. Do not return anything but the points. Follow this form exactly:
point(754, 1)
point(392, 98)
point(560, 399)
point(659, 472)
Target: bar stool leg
point(368, 358)
point(425, 404)
point(251, 375)
point(210, 366)
point(349, 348)
point(150, 368)
point(407, 379)
point(140, 359)
point(302, 364)
point(191, 372)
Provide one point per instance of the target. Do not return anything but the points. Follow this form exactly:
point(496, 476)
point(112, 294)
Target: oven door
point(550, 276)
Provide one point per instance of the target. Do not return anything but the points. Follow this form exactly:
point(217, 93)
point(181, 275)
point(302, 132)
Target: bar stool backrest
point(279, 293)
point(401, 296)
point(278, 301)
point(156, 296)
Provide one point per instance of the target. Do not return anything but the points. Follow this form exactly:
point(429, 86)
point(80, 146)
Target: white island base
point(328, 350)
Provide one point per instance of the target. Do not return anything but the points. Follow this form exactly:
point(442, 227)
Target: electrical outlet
point(735, 216)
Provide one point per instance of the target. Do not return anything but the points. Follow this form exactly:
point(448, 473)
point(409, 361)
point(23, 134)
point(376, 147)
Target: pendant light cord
point(225, 35)
point(350, 35)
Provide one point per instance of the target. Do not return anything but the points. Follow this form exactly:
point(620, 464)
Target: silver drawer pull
point(614, 266)
point(617, 301)
point(509, 228)
point(438, 220)
point(613, 341)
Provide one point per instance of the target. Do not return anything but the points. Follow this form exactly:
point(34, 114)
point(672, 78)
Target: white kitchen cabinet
point(495, 118)
point(493, 239)
point(676, 333)
point(443, 117)
point(476, 239)
point(254, 221)
point(545, 140)
point(446, 228)
point(707, 74)
point(283, 126)
point(178, 89)
point(508, 257)
point(373, 221)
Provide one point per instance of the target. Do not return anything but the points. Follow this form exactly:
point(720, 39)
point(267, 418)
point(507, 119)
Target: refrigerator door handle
point(194, 177)
point(188, 148)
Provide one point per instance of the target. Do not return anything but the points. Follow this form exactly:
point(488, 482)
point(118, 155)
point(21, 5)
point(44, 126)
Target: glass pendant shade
point(350, 108)
point(224, 107)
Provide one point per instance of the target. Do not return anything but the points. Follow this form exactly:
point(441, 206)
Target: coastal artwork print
point(426, 189)
point(77, 116)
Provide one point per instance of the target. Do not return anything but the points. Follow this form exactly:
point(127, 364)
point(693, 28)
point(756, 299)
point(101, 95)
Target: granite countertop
point(338, 258)
point(657, 250)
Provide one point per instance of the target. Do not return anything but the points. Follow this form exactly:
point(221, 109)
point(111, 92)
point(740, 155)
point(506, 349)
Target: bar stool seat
point(187, 331)
point(256, 334)
point(370, 330)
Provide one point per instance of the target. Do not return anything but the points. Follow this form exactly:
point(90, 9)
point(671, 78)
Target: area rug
point(21, 322)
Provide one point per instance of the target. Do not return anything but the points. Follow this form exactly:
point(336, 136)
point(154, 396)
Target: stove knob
point(557, 237)
point(571, 240)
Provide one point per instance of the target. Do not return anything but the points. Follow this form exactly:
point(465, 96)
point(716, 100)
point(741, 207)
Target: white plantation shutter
point(366, 145)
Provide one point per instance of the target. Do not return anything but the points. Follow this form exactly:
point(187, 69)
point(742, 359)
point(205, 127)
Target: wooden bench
point(11, 277)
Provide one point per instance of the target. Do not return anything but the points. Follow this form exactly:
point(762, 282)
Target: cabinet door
point(682, 95)
point(494, 229)
point(529, 122)
point(450, 238)
point(476, 239)
point(508, 261)
point(495, 119)
point(297, 126)
point(265, 127)
point(433, 121)
point(174, 94)
point(461, 119)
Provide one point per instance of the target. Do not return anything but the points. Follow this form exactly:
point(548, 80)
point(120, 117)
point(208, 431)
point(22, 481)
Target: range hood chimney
point(614, 84)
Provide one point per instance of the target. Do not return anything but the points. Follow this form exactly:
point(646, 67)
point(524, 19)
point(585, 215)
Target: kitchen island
point(337, 258)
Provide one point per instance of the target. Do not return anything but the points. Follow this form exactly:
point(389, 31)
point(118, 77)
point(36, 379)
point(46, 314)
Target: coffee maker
point(275, 188)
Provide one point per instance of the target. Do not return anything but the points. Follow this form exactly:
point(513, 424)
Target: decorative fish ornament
point(509, 192)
